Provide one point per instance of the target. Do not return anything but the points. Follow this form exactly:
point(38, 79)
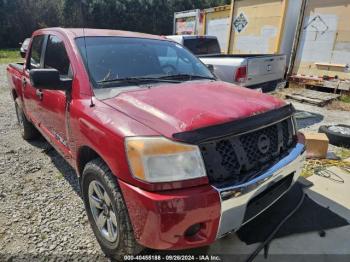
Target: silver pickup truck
point(256, 71)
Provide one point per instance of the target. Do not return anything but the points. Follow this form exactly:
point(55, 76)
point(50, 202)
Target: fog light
point(193, 230)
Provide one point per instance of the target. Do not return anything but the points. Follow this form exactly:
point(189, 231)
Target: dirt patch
point(339, 105)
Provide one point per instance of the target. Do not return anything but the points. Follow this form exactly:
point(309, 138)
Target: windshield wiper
point(137, 80)
point(186, 76)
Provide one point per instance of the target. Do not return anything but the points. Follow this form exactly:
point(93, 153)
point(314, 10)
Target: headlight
point(157, 159)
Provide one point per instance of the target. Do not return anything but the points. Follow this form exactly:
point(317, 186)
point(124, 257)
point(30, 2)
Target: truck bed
point(14, 76)
point(261, 69)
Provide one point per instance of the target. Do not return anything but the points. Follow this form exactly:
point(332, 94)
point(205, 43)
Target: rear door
point(32, 96)
point(262, 69)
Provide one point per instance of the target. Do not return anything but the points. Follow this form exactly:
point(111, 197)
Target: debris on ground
point(342, 104)
point(313, 166)
point(316, 145)
point(343, 153)
point(318, 165)
point(312, 97)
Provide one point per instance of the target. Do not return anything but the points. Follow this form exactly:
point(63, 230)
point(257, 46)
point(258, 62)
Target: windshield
point(119, 58)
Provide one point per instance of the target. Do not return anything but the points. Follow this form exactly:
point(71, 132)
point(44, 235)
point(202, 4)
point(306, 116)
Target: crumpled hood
point(174, 108)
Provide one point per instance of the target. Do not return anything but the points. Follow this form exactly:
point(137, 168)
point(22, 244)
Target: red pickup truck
point(167, 156)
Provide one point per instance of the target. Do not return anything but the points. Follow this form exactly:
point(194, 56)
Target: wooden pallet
point(312, 97)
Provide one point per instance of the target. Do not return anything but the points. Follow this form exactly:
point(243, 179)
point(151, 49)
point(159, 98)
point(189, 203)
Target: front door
point(55, 103)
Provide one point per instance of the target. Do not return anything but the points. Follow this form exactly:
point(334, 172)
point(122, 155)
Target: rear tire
point(112, 209)
point(28, 130)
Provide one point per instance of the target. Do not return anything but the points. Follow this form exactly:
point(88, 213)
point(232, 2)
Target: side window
point(56, 56)
point(35, 52)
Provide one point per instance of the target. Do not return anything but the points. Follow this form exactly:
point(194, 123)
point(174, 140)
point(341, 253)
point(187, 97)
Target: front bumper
point(160, 219)
point(235, 200)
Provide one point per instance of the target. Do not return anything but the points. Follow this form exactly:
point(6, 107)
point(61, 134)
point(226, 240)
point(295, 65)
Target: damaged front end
point(251, 162)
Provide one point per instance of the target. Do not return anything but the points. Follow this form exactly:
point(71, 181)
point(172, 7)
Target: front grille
point(238, 158)
point(250, 143)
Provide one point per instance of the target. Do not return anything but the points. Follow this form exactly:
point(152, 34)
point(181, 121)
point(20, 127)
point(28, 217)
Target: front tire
point(28, 130)
point(106, 211)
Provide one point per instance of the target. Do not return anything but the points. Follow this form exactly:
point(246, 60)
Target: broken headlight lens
point(157, 159)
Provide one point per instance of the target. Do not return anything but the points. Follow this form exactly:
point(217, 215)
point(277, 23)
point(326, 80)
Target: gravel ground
point(41, 211)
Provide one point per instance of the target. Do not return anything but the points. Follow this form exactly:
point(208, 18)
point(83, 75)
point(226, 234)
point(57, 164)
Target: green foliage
point(345, 98)
point(9, 56)
point(19, 18)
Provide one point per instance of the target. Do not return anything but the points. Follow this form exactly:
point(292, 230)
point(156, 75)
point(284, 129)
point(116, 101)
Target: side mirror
point(49, 79)
point(23, 53)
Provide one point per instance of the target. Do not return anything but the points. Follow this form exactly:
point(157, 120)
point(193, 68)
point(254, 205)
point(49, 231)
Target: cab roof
point(80, 32)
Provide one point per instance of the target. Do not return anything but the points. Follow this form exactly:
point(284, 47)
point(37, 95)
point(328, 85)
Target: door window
point(56, 56)
point(35, 53)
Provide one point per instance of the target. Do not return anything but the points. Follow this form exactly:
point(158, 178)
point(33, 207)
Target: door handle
point(39, 94)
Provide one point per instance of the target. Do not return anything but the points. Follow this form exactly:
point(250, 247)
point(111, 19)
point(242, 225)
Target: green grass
point(9, 56)
point(343, 153)
point(345, 99)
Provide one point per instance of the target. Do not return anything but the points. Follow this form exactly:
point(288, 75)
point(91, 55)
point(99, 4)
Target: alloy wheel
point(103, 212)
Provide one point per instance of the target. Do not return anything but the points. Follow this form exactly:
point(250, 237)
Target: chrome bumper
point(234, 199)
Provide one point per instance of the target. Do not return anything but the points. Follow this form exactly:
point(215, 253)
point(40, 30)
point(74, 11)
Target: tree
point(19, 18)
